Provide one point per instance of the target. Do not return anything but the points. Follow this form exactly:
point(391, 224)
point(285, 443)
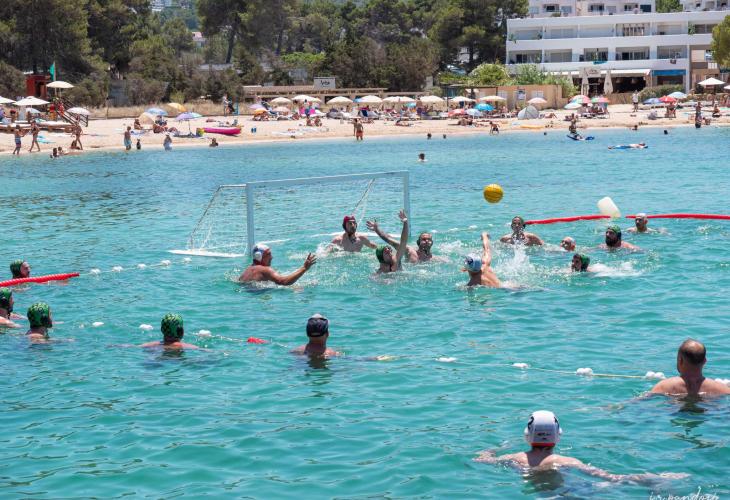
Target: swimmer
point(568, 244)
point(167, 143)
point(641, 222)
point(20, 269)
point(519, 235)
point(260, 269)
point(139, 144)
point(39, 317)
point(580, 263)
point(351, 240)
point(641, 145)
point(420, 253)
point(318, 331)
point(613, 240)
point(172, 330)
point(480, 268)
point(6, 309)
point(422, 157)
point(428, 136)
point(384, 253)
point(691, 358)
point(542, 433)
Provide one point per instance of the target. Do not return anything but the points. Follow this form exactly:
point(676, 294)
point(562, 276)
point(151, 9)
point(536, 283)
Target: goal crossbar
point(251, 186)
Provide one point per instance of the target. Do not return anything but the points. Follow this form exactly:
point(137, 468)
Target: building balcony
point(616, 67)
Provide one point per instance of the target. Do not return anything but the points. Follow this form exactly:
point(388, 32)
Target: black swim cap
point(317, 326)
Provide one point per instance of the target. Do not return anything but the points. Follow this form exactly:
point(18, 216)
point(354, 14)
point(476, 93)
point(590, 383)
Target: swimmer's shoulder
point(714, 388)
point(672, 385)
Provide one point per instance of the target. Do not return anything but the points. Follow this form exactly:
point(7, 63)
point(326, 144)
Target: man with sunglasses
point(641, 222)
point(519, 236)
point(318, 331)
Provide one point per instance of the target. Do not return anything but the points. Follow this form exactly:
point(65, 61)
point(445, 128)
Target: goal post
point(238, 214)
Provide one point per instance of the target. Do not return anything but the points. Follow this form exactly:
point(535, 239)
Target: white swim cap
point(258, 252)
point(543, 429)
point(641, 215)
point(473, 263)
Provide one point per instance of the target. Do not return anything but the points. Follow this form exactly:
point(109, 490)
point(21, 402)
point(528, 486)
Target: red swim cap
point(254, 340)
point(346, 219)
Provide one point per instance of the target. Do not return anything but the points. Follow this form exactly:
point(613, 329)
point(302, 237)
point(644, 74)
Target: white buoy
point(95, 271)
point(165, 262)
point(117, 269)
point(97, 324)
point(145, 327)
point(607, 207)
point(655, 375)
point(187, 259)
point(445, 360)
point(204, 333)
point(521, 366)
point(588, 372)
point(141, 266)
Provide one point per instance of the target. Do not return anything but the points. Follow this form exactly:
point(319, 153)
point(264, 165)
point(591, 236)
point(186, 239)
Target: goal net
point(276, 211)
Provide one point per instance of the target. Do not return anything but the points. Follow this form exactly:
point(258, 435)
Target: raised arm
point(486, 251)
point(373, 226)
point(293, 277)
point(403, 245)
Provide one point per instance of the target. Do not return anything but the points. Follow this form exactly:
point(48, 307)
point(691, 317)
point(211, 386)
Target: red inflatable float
point(684, 216)
point(567, 219)
point(39, 279)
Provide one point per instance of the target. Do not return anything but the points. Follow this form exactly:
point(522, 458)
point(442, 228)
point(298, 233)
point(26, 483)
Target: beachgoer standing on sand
point(691, 358)
point(519, 235)
point(225, 104)
point(34, 130)
point(77, 132)
point(318, 331)
point(260, 269)
point(167, 143)
point(480, 268)
point(128, 138)
point(18, 134)
point(359, 129)
point(635, 101)
point(542, 434)
point(351, 240)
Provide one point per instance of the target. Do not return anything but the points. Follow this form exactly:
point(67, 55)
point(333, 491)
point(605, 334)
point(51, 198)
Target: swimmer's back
point(677, 386)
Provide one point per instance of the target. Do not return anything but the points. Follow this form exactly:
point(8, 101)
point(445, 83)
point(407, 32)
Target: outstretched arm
point(293, 277)
point(486, 250)
point(646, 478)
point(403, 245)
point(373, 226)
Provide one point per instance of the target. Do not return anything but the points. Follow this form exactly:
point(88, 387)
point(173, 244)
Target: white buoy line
point(588, 372)
point(118, 269)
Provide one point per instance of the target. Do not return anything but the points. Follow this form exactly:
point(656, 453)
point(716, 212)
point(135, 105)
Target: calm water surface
point(91, 417)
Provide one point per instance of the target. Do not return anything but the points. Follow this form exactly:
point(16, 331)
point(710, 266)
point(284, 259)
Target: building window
point(645, 8)
point(597, 55)
point(632, 55)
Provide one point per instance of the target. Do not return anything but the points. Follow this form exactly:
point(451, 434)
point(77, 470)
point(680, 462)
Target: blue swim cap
point(317, 326)
point(473, 263)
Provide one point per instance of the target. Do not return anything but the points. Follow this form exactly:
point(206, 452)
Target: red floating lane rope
point(684, 216)
point(567, 219)
point(254, 340)
point(39, 279)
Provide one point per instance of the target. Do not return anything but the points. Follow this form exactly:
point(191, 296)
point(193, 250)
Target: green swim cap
point(5, 295)
point(172, 326)
point(615, 229)
point(379, 253)
point(39, 315)
point(584, 261)
point(15, 267)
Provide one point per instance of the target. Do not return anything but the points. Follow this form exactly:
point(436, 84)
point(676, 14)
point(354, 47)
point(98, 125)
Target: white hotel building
point(640, 46)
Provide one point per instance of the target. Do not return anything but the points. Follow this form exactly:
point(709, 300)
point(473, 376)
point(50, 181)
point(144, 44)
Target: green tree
point(489, 74)
point(668, 6)
point(721, 43)
point(411, 63)
point(114, 25)
point(177, 35)
point(12, 81)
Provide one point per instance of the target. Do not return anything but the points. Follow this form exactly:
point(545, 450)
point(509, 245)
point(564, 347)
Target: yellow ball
point(493, 193)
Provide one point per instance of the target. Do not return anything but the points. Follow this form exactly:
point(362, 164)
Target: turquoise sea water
point(94, 418)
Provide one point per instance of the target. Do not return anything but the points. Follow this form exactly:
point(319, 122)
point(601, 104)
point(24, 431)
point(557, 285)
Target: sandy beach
point(108, 134)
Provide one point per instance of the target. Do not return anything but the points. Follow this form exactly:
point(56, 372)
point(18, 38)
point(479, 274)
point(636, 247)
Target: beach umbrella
point(711, 82)
point(283, 101)
point(473, 112)
point(156, 111)
point(305, 98)
point(537, 100)
point(5, 100)
point(599, 100)
point(186, 117)
point(59, 85)
point(485, 107)
point(607, 83)
point(371, 99)
point(492, 98)
point(727, 87)
point(457, 112)
point(177, 106)
point(573, 105)
point(410, 105)
point(31, 101)
point(146, 118)
point(667, 99)
point(256, 107)
point(340, 100)
point(430, 99)
point(529, 113)
point(32, 111)
point(260, 111)
point(79, 111)
point(678, 95)
point(399, 99)
point(460, 99)
point(652, 101)
point(281, 109)
point(583, 99)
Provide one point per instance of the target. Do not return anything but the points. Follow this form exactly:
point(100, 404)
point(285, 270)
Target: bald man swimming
point(691, 359)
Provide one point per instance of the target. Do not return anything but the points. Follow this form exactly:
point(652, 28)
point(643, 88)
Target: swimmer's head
point(20, 269)
point(425, 242)
point(691, 354)
point(39, 315)
point(543, 430)
point(613, 235)
point(171, 327)
point(349, 224)
point(261, 255)
point(568, 244)
point(580, 262)
point(6, 300)
point(317, 326)
point(641, 220)
point(421, 156)
point(384, 254)
point(518, 224)
point(473, 263)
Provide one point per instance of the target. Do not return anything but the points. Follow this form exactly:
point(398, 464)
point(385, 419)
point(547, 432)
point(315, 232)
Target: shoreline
point(106, 135)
